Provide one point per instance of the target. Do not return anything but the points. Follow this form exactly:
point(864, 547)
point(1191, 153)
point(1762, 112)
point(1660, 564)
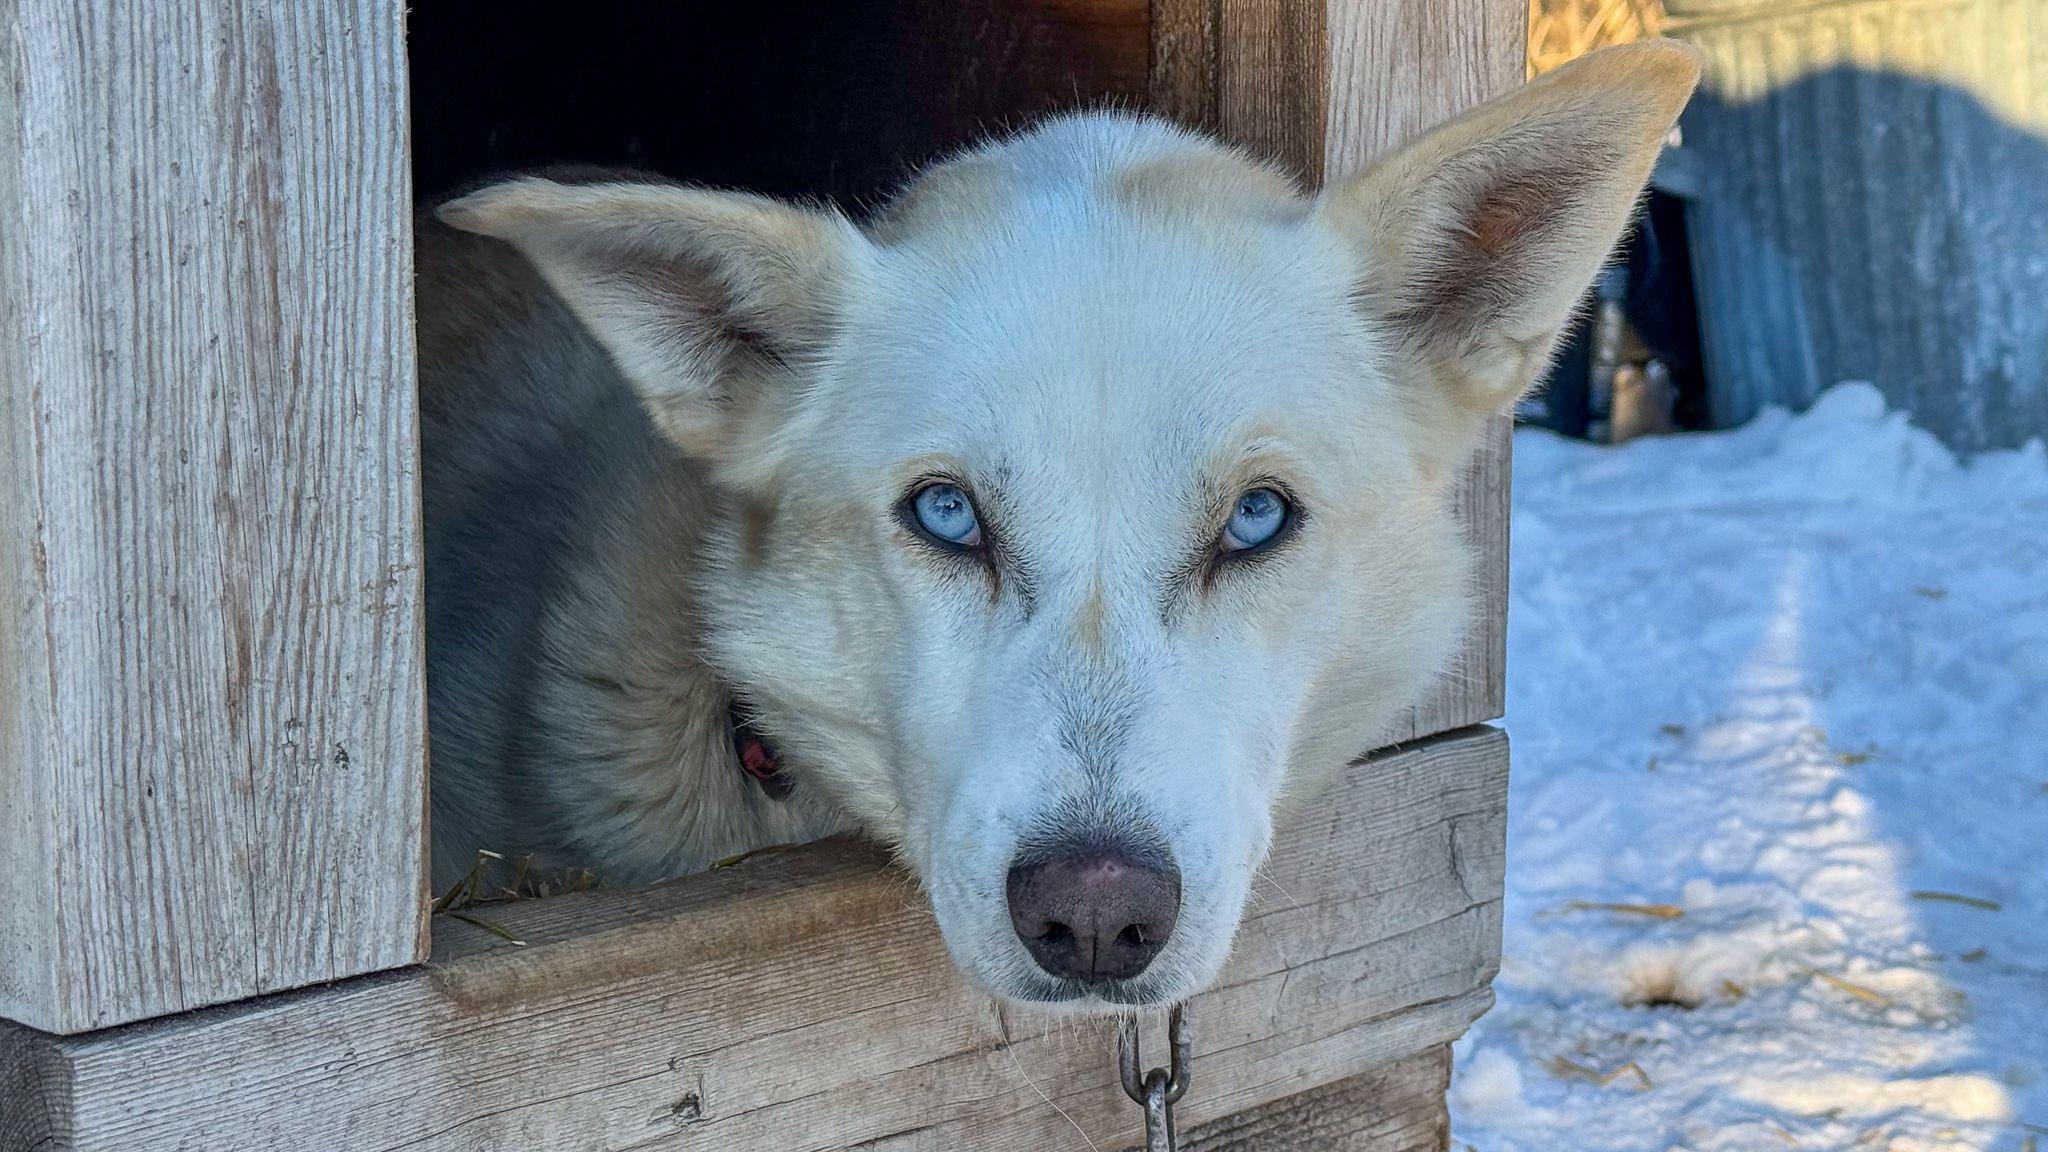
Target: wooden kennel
point(215, 932)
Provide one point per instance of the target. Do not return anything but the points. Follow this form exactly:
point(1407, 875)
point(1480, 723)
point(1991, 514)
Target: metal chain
point(1160, 1089)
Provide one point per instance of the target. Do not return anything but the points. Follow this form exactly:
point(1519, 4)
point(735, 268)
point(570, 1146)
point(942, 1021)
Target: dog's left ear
point(709, 302)
point(1477, 241)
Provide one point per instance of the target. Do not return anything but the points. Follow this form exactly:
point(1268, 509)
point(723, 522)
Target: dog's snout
point(1094, 914)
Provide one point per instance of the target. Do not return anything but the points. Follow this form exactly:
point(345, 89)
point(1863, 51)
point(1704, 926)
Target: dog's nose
point(1094, 914)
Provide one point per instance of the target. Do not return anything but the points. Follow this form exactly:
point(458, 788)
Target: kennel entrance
point(212, 737)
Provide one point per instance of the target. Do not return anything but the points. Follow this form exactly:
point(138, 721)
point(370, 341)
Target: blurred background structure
point(1562, 30)
point(1859, 192)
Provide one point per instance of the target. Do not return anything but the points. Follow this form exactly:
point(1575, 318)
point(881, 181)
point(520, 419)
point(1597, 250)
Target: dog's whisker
point(1261, 873)
point(1010, 1051)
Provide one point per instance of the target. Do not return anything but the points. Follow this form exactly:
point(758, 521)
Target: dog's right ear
point(706, 300)
point(1477, 241)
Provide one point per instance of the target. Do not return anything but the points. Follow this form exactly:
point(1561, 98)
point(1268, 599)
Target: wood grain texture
point(801, 1000)
point(35, 1093)
point(1250, 71)
point(1325, 87)
point(1474, 690)
point(212, 747)
point(1399, 67)
point(28, 971)
point(1398, 1107)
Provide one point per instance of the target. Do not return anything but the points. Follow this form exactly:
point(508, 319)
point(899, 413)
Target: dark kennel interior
point(1650, 279)
point(834, 99)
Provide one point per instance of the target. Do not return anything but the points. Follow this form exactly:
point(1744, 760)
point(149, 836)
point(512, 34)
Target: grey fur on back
point(572, 715)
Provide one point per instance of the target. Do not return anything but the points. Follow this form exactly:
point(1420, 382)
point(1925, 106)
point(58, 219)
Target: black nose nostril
point(1094, 914)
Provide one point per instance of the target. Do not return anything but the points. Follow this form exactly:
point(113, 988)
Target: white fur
point(1106, 328)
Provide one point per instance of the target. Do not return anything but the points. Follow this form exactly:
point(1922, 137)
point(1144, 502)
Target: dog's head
point(1093, 498)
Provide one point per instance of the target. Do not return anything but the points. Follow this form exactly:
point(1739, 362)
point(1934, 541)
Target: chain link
point(1160, 1089)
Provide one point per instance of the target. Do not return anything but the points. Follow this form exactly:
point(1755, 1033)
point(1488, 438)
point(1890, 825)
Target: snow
point(1778, 839)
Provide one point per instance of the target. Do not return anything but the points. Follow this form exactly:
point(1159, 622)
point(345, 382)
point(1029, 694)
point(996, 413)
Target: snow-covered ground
point(1778, 842)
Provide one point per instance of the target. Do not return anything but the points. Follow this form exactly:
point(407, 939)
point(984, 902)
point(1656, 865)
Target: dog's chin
point(1010, 975)
point(1026, 986)
point(1058, 997)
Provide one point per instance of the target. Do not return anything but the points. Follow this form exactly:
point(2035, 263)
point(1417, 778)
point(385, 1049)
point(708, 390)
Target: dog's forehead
point(1141, 165)
point(1090, 349)
point(1168, 295)
point(1098, 232)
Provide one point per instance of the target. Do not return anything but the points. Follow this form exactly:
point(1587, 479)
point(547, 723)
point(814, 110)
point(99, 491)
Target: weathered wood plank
point(801, 1000)
point(212, 743)
point(1475, 688)
point(1324, 87)
point(26, 975)
point(1251, 71)
point(1399, 67)
point(35, 1093)
point(1397, 1107)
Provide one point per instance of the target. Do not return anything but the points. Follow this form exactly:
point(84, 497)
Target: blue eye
point(1256, 520)
point(945, 512)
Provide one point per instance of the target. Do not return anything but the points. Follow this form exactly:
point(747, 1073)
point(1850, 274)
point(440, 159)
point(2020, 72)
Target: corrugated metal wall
point(1874, 205)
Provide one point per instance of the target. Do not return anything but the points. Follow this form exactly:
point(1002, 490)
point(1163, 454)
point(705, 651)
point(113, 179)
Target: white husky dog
point(1050, 528)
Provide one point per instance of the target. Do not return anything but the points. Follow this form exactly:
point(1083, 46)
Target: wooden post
point(1324, 87)
point(1397, 1107)
point(212, 744)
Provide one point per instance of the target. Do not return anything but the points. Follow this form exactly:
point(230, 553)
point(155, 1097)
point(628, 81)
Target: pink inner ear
point(1479, 272)
point(689, 296)
point(1512, 210)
